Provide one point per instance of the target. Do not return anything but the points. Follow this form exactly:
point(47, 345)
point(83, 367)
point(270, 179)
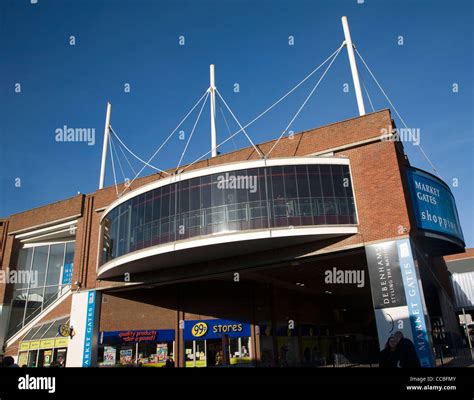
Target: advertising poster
point(110, 355)
point(396, 295)
point(161, 352)
point(126, 356)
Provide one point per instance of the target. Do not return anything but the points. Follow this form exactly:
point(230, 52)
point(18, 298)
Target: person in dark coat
point(406, 352)
point(169, 363)
point(388, 356)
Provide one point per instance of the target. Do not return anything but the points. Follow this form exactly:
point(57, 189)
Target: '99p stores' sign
point(215, 329)
point(433, 204)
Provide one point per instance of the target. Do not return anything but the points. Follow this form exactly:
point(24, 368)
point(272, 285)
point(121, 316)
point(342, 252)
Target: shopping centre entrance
point(299, 313)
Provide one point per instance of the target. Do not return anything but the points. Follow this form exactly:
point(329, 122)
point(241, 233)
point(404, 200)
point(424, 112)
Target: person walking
point(405, 351)
point(388, 356)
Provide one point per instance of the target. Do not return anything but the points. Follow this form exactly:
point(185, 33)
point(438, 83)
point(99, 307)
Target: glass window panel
point(230, 191)
point(165, 202)
point(23, 264)
point(55, 263)
point(40, 258)
point(249, 182)
point(17, 311)
point(194, 194)
point(314, 181)
point(217, 194)
point(113, 234)
point(262, 185)
point(156, 204)
point(173, 206)
point(34, 303)
point(302, 181)
point(254, 193)
point(326, 180)
point(347, 178)
point(69, 253)
point(32, 332)
point(338, 181)
point(278, 186)
point(183, 197)
point(330, 206)
point(141, 209)
point(290, 182)
point(205, 191)
point(51, 293)
point(148, 207)
point(40, 333)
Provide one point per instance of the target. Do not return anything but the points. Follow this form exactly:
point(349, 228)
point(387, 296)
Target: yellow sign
point(61, 342)
point(47, 344)
point(199, 329)
point(63, 330)
point(24, 346)
point(34, 345)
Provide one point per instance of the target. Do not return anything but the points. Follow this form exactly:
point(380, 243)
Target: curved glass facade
point(248, 199)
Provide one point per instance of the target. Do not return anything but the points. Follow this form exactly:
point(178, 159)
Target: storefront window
point(215, 343)
point(149, 348)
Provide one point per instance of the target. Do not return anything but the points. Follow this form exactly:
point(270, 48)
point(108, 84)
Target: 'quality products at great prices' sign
point(433, 203)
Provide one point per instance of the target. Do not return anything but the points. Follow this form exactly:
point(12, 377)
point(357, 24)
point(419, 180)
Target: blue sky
point(136, 42)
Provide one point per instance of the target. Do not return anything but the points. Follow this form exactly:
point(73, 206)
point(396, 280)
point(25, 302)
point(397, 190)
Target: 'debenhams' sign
point(433, 204)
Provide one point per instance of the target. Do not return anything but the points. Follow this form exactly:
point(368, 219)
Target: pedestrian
point(406, 353)
point(169, 363)
point(388, 356)
point(9, 362)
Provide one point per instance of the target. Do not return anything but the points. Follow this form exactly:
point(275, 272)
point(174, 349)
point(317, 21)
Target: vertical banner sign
point(414, 303)
point(396, 297)
point(86, 359)
point(67, 274)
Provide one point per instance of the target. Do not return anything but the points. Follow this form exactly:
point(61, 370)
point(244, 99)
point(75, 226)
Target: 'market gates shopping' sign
point(433, 204)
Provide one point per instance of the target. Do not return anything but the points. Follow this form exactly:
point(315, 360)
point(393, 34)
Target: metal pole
point(104, 147)
point(212, 90)
point(352, 61)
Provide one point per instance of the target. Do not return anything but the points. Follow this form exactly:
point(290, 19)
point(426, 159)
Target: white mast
point(352, 61)
point(212, 91)
point(104, 147)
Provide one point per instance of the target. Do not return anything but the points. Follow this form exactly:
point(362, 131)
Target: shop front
point(45, 345)
point(217, 342)
point(146, 348)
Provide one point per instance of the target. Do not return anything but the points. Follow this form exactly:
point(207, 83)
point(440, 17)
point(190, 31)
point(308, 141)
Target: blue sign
point(414, 303)
point(215, 329)
point(67, 273)
point(146, 336)
point(433, 203)
point(87, 354)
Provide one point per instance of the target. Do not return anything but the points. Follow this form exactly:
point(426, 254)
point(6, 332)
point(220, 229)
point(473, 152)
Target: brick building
point(329, 249)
